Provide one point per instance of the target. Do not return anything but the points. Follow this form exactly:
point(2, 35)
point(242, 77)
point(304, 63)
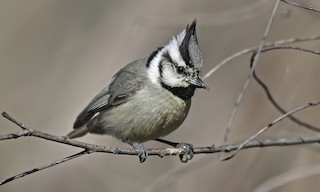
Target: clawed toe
point(186, 149)
point(187, 153)
point(143, 154)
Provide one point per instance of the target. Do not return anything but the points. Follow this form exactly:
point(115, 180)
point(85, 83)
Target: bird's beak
point(198, 82)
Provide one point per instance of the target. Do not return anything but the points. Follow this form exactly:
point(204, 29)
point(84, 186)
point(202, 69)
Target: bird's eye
point(180, 70)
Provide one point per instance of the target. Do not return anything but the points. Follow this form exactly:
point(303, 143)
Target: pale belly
point(158, 115)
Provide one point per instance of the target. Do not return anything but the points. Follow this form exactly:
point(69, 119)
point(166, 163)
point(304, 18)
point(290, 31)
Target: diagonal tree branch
point(84, 152)
point(267, 91)
point(288, 114)
point(277, 120)
point(310, 8)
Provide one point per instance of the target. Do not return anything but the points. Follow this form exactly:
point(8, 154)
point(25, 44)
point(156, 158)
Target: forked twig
point(277, 120)
point(255, 48)
point(270, 97)
point(254, 63)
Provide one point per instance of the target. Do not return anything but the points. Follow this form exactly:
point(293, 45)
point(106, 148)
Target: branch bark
point(161, 152)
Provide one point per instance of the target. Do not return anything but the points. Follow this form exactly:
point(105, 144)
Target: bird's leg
point(186, 147)
point(143, 154)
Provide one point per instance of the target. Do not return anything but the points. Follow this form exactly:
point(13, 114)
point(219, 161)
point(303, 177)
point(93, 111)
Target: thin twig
point(266, 47)
point(279, 108)
point(57, 162)
point(270, 97)
point(246, 84)
point(291, 47)
point(254, 49)
point(310, 8)
point(277, 120)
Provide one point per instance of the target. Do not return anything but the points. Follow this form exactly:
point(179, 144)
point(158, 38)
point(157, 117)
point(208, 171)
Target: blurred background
point(56, 55)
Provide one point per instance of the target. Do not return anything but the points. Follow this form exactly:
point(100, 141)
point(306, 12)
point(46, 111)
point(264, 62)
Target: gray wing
point(125, 83)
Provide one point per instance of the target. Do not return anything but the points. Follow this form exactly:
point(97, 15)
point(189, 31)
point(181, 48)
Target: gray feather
point(195, 53)
point(125, 83)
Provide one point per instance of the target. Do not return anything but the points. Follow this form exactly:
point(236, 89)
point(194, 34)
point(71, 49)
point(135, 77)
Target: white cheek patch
point(169, 77)
point(153, 69)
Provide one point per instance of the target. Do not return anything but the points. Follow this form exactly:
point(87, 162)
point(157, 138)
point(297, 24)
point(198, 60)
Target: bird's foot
point(185, 148)
point(142, 151)
point(187, 152)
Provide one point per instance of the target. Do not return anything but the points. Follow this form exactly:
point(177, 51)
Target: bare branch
point(84, 152)
point(279, 108)
point(270, 97)
point(170, 151)
point(91, 148)
point(277, 120)
point(63, 139)
point(310, 8)
point(291, 47)
point(268, 47)
point(255, 48)
point(249, 143)
point(254, 63)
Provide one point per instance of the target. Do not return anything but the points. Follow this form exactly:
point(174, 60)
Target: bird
point(148, 98)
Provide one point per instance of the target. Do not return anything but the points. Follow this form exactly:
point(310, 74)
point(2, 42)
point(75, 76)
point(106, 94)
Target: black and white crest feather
point(190, 35)
point(177, 65)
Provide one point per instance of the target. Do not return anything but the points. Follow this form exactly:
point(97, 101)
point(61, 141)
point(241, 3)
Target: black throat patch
point(184, 93)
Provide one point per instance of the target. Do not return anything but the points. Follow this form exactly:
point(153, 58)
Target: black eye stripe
point(167, 56)
point(180, 69)
point(160, 68)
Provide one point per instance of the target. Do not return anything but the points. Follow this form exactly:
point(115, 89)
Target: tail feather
point(79, 132)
